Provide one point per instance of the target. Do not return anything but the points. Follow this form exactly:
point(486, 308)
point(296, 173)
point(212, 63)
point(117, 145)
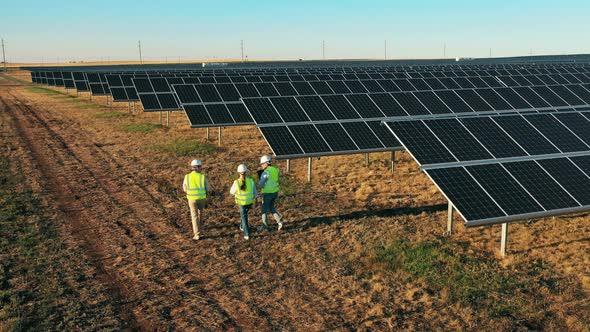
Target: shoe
point(280, 225)
point(196, 237)
point(242, 229)
point(246, 237)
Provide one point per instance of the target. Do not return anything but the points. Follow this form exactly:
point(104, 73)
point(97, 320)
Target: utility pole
point(444, 50)
point(385, 49)
point(3, 55)
point(324, 49)
point(242, 49)
point(490, 52)
point(140, 58)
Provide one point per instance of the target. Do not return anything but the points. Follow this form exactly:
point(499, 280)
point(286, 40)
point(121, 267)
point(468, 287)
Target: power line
point(242, 49)
point(140, 58)
point(3, 55)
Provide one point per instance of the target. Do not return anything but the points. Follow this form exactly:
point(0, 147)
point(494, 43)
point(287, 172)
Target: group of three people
point(196, 186)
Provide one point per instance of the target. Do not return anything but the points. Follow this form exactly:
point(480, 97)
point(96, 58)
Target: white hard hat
point(242, 168)
point(196, 162)
point(265, 159)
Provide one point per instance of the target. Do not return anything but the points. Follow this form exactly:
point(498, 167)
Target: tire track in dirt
point(69, 180)
point(78, 164)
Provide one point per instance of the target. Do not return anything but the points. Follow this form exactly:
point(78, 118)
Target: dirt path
point(122, 227)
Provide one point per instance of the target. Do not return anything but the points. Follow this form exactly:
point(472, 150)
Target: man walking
point(196, 186)
point(269, 183)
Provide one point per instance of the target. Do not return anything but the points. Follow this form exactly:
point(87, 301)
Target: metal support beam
point(219, 136)
point(129, 106)
point(504, 241)
point(392, 161)
point(161, 118)
point(309, 170)
point(450, 219)
point(366, 159)
point(288, 166)
point(168, 119)
point(207, 135)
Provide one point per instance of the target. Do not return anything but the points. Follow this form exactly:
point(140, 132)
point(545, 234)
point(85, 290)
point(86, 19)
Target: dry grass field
point(96, 235)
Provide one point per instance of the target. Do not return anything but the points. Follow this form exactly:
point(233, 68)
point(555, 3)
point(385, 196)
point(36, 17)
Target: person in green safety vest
point(244, 191)
point(196, 186)
point(269, 184)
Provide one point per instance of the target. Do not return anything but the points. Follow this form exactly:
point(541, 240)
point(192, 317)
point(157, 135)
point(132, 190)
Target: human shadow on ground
point(305, 224)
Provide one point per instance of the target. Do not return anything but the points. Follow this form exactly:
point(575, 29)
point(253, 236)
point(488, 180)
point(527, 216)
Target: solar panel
point(362, 135)
point(507, 167)
point(453, 101)
point(432, 102)
point(466, 194)
point(281, 141)
point(340, 107)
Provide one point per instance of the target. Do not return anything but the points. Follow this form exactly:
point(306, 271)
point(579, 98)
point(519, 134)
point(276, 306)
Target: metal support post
point(309, 170)
point(366, 159)
point(168, 119)
point(219, 136)
point(160, 117)
point(450, 219)
point(207, 136)
point(504, 241)
point(288, 165)
point(129, 106)
point(392, 161)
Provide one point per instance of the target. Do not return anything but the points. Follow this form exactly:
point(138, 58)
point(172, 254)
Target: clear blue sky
point(291, 29)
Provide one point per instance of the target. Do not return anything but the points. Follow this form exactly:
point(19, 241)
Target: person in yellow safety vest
point(270, 185)
point(244, 190)
point(196, 186)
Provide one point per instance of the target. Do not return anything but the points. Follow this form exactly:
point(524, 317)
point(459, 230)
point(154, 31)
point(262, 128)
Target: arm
point(184, 184)
point(232, 191)
point(263, 179)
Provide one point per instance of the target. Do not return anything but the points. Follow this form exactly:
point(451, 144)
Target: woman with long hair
point(244, 190)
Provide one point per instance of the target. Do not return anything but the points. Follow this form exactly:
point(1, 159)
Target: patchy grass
point(143, 128)
point(88, 106)
point(44, 284)
point(110, 115)
point(45, 91)
point(184, 147)
point(481, 283)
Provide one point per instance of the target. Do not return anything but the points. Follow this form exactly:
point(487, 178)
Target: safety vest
point(272, 181)
point(195, 186)
point(245, 197)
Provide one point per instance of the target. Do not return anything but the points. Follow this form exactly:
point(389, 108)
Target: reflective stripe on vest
point(272, 180)
point(195, 186)
point(245, 197)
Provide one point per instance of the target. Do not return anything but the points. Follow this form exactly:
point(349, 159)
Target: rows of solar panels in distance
point(362, 75)
point(507, 191)
point(122, 87)
point(366, 74)
point(270, 110)
point(494, 137)
point(233, 92)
